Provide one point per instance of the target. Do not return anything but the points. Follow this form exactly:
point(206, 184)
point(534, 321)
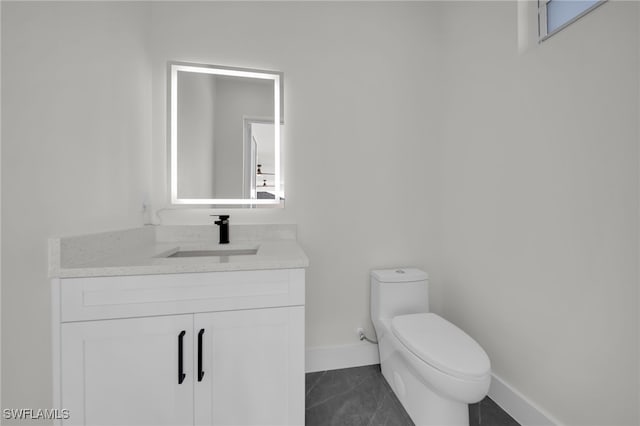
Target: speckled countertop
point(144, 251)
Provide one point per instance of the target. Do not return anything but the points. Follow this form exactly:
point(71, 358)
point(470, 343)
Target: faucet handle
point(224, 219)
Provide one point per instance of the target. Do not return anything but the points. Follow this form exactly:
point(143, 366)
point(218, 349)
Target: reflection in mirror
point(224, 144)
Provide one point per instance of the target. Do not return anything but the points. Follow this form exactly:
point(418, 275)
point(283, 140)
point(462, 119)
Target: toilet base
point(424, 406)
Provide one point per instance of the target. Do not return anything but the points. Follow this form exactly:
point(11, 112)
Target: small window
point(555, 15)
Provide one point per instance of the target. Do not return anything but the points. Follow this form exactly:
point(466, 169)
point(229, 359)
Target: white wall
point(0, 210)
point(237, 98)
point(196, 118)
point(75, 148)
point(540, 204)
point(415, 134)
point(361, 123)
point(361, 130)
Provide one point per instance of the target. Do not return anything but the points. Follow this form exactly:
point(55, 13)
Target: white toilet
point(434, 368)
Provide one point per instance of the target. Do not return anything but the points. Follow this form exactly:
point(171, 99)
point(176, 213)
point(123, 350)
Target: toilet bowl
point(434, 368)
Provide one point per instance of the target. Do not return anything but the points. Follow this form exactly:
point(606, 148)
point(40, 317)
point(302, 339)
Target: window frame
point(542, 18)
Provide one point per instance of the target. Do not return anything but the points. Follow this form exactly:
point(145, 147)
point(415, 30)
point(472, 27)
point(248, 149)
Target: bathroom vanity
point(144, 338)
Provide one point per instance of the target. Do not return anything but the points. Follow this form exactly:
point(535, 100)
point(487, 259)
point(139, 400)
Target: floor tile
point(488, 413)
point(361, 396)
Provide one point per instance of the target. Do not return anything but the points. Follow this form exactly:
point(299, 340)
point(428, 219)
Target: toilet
point(434, 368)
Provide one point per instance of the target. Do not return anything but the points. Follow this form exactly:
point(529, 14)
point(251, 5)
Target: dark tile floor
point(361, 396)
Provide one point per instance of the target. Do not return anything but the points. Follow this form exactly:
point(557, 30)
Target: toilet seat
point(442, 345)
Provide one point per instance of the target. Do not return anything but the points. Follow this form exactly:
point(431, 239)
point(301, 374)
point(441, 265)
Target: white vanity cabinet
point(124, 371)
point(215, 348)
point(252, 368)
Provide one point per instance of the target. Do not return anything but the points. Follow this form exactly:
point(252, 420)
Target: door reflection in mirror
point(260, 163)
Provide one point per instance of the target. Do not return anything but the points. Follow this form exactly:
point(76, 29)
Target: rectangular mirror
point(224, 136)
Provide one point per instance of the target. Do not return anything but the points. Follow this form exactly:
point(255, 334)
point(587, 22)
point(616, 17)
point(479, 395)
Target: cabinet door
point(253, 365)
point(125, 371)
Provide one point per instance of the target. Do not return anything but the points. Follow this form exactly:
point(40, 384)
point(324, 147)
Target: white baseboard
point(323, 358)
point(524, 411)
point(518, 406)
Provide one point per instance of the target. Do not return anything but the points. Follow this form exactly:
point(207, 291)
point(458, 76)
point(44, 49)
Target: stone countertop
point(144, 251)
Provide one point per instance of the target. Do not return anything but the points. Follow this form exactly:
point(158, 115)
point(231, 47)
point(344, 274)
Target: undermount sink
point(218, 252)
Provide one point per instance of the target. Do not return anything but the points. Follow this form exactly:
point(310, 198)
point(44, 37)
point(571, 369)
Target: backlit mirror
point(224, 135)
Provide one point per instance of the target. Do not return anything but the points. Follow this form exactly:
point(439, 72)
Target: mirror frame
point(278, 89)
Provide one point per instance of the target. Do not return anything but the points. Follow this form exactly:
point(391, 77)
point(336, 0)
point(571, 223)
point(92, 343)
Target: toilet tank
point(398, 291)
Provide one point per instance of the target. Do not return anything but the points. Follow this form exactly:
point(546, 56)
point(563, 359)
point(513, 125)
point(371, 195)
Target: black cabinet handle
point(200, 370)
point(181, 374)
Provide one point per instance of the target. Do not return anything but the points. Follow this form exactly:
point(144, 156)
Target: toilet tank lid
point(399, 275)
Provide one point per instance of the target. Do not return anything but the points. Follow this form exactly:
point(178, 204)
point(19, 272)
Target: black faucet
point(223, 223)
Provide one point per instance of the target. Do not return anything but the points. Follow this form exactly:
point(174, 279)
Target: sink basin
point(218, 252)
